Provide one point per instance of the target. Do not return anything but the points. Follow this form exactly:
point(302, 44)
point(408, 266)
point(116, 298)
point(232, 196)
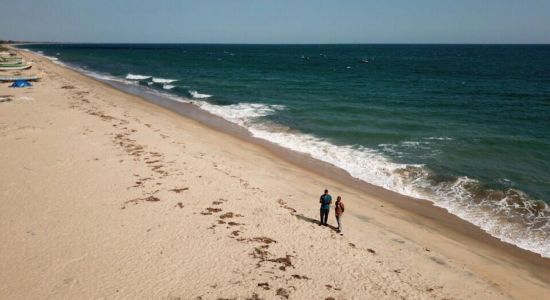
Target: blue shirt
point(325, 201)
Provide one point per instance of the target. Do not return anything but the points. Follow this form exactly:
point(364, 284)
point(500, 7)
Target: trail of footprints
point(123, 138)
point(265, 259)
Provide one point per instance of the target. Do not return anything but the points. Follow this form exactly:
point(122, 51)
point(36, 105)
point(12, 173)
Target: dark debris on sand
point(179, 190)
point(283, 293)
point(137, 200)
point(264, 285)
point(227, 215)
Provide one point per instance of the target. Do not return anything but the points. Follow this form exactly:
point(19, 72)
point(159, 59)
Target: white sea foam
point(174, 97)
point(108, 77)
point(439, 138)
point(131, 76)
point(243, 114)
point(168, 86)
point(360, 162)
point(168, 95)
point(497, 218)
point(391, 149)
point(198, 95)
point(410, 143)
point(101, 76)
point(163, 80)
point(52, 58)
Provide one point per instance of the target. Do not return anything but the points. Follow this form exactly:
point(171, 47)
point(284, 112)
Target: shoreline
point(463, 200)
point(421, 207)
point(425, 209)
point(422, 213)
point(431, 214)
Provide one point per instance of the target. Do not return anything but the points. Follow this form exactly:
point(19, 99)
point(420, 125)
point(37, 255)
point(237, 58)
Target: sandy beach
point(105, 195)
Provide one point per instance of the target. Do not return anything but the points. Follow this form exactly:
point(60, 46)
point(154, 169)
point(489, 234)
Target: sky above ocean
point(282, 21)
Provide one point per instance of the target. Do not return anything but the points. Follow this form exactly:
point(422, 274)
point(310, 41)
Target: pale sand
point(104, 195)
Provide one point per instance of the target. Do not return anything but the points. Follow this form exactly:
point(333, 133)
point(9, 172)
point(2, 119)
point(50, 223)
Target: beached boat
point(19, 67)
point(11, 64)
point(8, 53)
point(9, 58)
point(15, 78)
point(17, 60)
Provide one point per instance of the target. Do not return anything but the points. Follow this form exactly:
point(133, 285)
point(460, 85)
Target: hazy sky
point(277, 21)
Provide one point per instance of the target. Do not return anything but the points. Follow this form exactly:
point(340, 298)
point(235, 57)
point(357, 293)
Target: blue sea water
point(464, 126)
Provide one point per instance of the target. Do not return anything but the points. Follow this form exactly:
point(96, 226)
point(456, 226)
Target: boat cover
point(20, 83)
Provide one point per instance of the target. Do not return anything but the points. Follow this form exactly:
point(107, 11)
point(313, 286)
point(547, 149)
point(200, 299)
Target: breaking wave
point(131, 76)
point(244, 114)
point(198, 95)
point(163, 80)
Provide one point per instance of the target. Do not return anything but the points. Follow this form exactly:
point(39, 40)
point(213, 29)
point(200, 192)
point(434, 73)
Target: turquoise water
point(465, 126)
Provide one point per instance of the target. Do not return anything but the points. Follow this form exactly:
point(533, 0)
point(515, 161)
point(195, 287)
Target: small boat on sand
point(15, 78)
point(10, 59)
point(15, 67)
point(8, 53)
point(11, 64)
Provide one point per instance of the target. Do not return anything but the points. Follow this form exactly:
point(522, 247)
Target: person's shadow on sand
point(314, 221)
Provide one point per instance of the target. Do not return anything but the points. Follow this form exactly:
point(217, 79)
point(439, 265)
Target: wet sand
point(105, 194)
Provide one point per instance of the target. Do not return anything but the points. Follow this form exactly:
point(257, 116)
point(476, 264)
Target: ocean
point(464, 126)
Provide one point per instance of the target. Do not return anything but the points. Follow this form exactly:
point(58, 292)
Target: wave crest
point(163, 80)
point(198, 95)
point(131, 76)
point(242, 113)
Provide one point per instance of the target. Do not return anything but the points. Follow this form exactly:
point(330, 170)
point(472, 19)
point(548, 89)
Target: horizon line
point(274, 44)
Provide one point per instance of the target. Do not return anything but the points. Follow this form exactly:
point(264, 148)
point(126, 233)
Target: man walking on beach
point(325, 201)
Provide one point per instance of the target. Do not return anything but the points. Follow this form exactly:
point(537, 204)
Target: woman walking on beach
point(338, 211)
